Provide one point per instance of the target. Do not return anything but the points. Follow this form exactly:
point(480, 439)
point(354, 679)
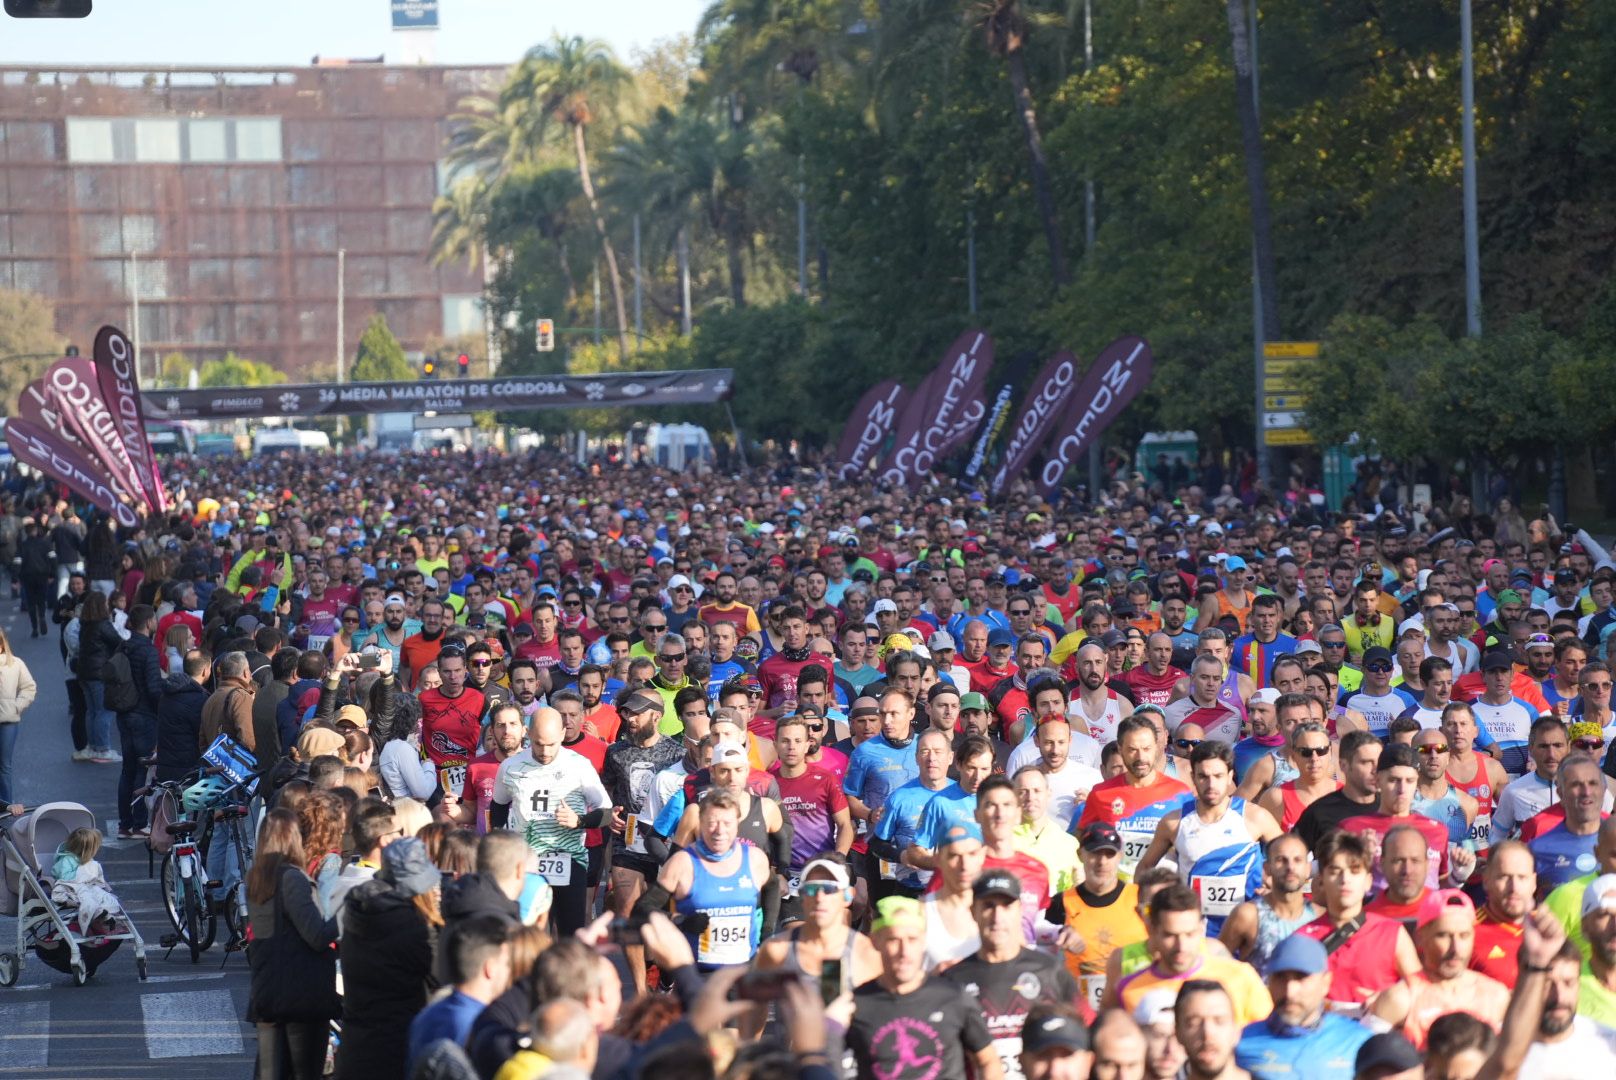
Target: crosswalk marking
point(26, 1041)
point(197, 1023)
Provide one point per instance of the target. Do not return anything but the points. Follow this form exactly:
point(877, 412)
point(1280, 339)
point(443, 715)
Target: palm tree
point(652, 169)
point(570, 81)
point(1005, 27)
point(536, 198)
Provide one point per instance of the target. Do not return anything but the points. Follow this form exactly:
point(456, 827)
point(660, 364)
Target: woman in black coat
point(294, 965)
point(98, 640)
point(36, 566)
point(389, 927)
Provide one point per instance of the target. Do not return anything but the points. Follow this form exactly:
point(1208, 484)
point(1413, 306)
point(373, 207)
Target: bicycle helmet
point(203, 794)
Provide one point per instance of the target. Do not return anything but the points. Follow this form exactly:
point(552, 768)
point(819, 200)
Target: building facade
point(217, 202)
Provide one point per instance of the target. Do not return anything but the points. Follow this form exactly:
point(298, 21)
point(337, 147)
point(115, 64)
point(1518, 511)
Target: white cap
point(1266, 696)
point(1416, 625)
point(883, 604)
point(1600, 896)
point(940, 640)
point(680, 581)
point(837, 871)
point(1155, 1006)
point(726, 751)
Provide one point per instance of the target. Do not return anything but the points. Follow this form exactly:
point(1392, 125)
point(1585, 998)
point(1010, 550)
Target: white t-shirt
point(1588, 1051)
point(1084, 751)
point(1074, 776)
point(534, 793)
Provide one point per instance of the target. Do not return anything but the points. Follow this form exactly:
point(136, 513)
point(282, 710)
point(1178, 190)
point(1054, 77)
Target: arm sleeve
point(780, 843)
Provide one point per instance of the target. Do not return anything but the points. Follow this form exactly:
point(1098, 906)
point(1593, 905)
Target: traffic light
point(546, 335)
point(429, 367)
point(465, 365)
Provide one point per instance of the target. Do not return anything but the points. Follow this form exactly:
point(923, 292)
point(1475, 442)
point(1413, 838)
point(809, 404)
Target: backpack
point(118, 678)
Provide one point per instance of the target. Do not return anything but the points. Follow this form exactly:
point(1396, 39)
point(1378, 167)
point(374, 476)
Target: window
point(90, 140)
point(258, 140)
point(157, 140)
point(462, 315)
point(209, 140)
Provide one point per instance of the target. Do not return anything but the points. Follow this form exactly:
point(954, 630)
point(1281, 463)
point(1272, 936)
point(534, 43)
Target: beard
point(1556, 1021)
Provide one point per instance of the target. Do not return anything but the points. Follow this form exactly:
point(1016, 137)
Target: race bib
point(1481, 830)
point(1093, 987)
point(726, 940)
point(318, 642)
point(556, 867)
point(1134, 846)
point(793, 883)
point(1219, 895)
point(888, 873)
point(628, 832)
point(453, 778)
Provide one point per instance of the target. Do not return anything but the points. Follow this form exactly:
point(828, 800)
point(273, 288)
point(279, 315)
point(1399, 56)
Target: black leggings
point(569, 904)
point(37, 594)
point(78, 708)
point(292, 1051)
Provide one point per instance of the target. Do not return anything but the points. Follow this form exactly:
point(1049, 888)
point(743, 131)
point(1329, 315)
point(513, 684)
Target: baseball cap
point(1509, 596)
point(679, 581)
point(1437, 902)
point(638, 702)
point(1101, 836)
point(1052, 1033)
point(964, 830)
point(354, 715)
point(940, 640)
point(1388, 1050)
point(1112, 638)
point(1377, 652)
point(728, 751)
point(836, 870)
point(1309, 646)
point(1600, 895)
point(1000, 636)
point(1395, 756)
point(1234, 562)
point(897, 911)
point(1300, 954)
point(1407, 625)
point(1565, 576)
point(883, 604)
point(997, 883)
point(1157, 1005)
point(1497, 660)
point(1266, 696)
point(522, 629)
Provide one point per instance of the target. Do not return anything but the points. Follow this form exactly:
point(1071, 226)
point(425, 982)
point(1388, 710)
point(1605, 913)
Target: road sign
point(1286, 437)
point(1283, 401)
point(1304, 350)
point(1282, 419)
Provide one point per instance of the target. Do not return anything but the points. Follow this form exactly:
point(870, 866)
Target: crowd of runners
point(614, 772)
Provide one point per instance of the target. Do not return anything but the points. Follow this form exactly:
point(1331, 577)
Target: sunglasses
point(451, 652)
point(1187, 744)
point(820, 888)
point(351, 619)
point(480, 663)
point(1589, 744)
point(1596, 685)
point(672, 658)
point(1379, 666)
point(653, 626)
point(572, 603)
point(1313, 751)
point(1332, 644)
point(1431, 749)
point(617, 618)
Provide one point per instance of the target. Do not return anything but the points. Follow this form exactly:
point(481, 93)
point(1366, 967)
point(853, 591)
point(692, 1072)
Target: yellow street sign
point(1305, 350)
point(1285, 402)
point(1281, 386)
point(1287, 437)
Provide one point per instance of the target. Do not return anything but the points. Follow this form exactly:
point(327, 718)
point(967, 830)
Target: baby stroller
point(28, 845)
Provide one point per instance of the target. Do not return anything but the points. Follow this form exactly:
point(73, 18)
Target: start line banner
point(601, 391)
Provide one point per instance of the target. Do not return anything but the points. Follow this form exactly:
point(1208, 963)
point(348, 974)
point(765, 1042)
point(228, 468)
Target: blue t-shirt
point(900, 825)
point(450, 1019)
point(1271, 1051)
point(1562, 855)
point(1247, 752)
point(877, 769)
point(950, 806)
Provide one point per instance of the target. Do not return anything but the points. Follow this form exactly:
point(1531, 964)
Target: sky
point(291, 32)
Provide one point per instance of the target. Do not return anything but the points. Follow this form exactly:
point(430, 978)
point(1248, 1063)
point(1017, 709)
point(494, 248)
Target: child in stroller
point(81, 884)
point(67, 913)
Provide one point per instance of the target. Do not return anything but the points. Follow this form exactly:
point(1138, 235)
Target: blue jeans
point(224, 861)
point(102, 720)
point(8, 754)
point(138, 735)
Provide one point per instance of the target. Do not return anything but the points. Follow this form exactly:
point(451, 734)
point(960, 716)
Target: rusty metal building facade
point(218, 200)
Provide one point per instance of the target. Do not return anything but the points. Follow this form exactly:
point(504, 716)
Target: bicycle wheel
point(178, 894)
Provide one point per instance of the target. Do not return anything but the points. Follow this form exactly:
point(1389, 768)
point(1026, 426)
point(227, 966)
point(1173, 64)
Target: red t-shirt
point(606, 722)
point(478, 789)
point(983, 677)
point(594, 750)
point(546, 654)
point(451, 727)
point(1151, 689)
point(1366, 964)
point(418, 652)
point(1377, 825)
point(1496, 948)
point(1382, 905)
point(1034, 878)
point(779, 678)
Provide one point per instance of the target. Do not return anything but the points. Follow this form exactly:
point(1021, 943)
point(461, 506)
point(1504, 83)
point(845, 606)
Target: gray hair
point(232, 665)
point(563, 1031)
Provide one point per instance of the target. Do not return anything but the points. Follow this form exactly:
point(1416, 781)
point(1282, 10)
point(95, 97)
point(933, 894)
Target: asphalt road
point(184, 1021)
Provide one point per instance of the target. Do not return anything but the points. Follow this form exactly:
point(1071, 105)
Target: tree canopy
point(380, 357)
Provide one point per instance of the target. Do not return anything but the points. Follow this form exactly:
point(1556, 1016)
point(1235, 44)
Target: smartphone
point(763, 986)
point(830, 980)
point(370, 658)
point(622, 932)
point(272, 597)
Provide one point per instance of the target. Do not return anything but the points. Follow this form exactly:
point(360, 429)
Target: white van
point(274, 440)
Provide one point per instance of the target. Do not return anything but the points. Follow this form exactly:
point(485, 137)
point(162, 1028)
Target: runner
point(1256, 929)
point(1504, 717)
point(551, 796)
point(1135, 801)
point(1100, 708)
point(507, 728)
point(1205, 705)
point(1435, 797)
point(451, 720)
point(1377, 700)
point(1102, 913)
point(1310, 746)
point(813, 803)
point(720, 876)
point(1368, 952)
point(1478, 775)
point(1218, 840)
